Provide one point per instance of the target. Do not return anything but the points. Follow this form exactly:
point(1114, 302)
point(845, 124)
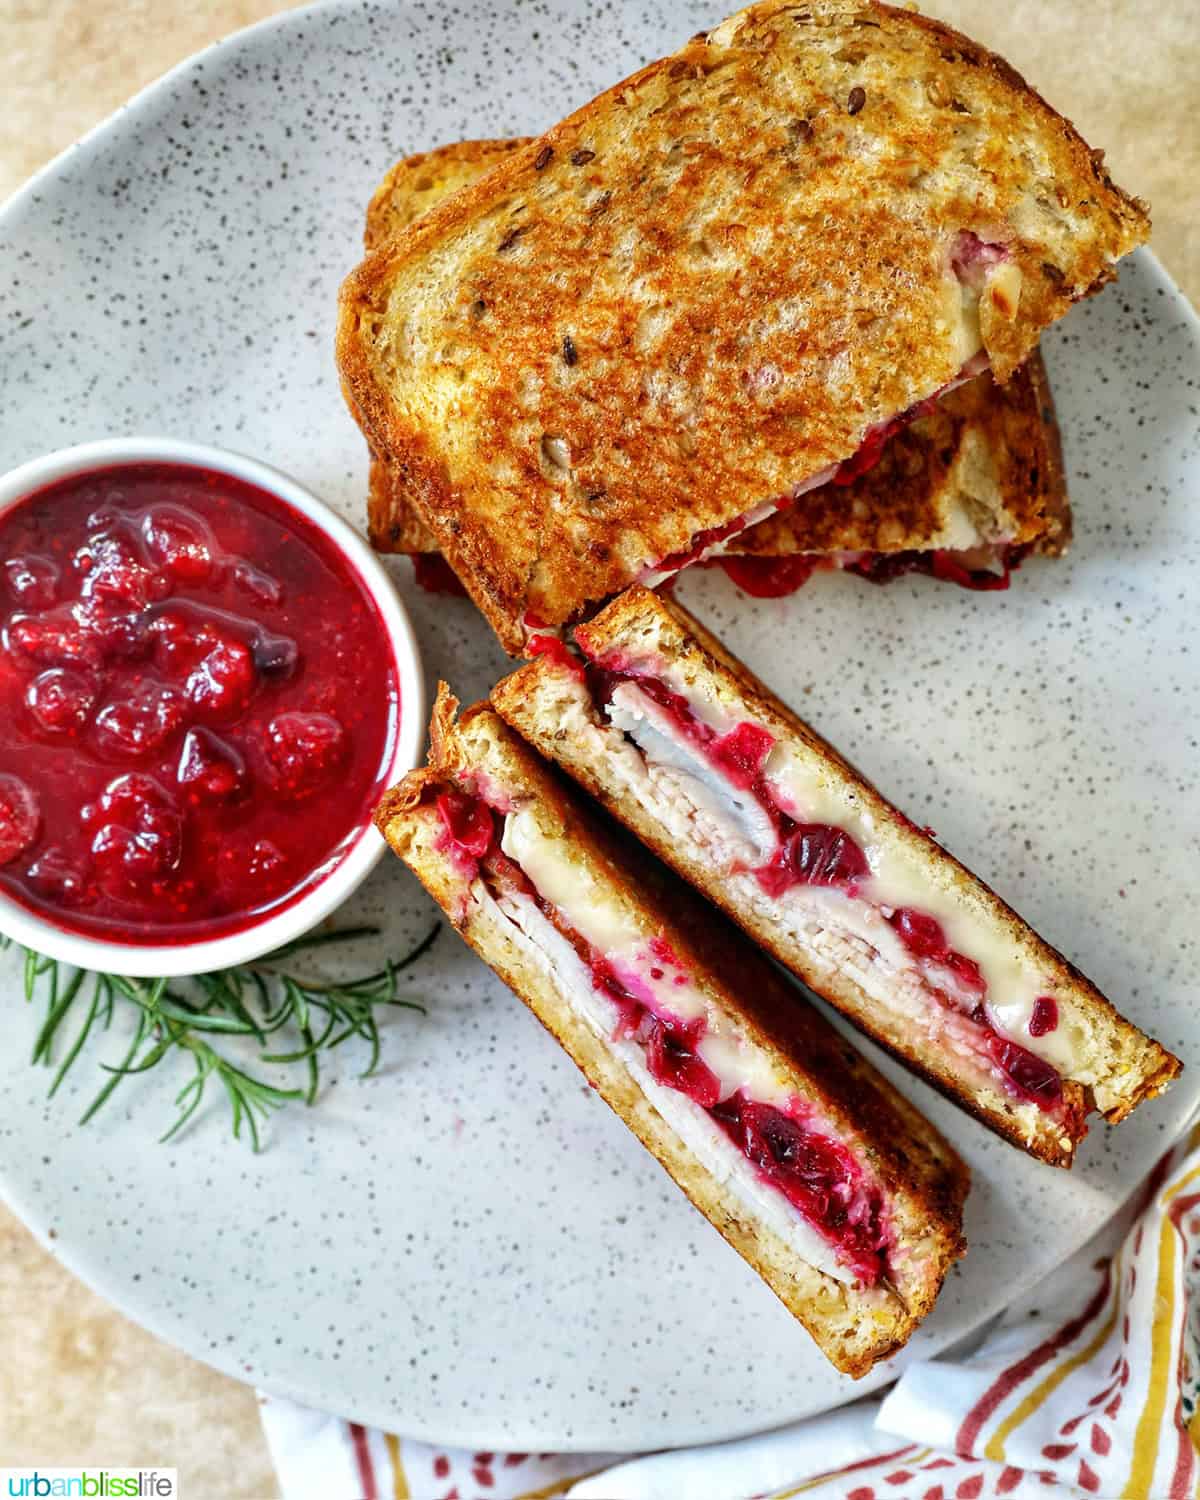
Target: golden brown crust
point(1139, 1067)
point(415, 183)
point(987, 453)
point(723, 358)
point(988, 456)
point(922, 1176)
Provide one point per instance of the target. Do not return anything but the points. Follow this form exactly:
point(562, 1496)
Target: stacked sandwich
point(774, 301)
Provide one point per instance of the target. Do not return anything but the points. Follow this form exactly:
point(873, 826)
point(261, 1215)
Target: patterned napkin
point(1088, 1385)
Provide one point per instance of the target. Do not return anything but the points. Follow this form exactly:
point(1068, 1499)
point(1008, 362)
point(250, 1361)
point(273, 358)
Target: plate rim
point(101, 1281)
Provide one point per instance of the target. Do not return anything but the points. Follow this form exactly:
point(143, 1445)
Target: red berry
point(20, 817)
point(814, 854)
point(468, 823)
point(142, 723)
point(1045, 1016)
point(53, 640)
point(32, 580)
point(965, 970)
point(741, 753)
point(114, 573)
point(303, 751)
point(209, 767)
point(116, 633)
point(220, 685)
point(61, 699)
point(139, 834)
point(180, 542)
point(921, 934)
point(57, 878)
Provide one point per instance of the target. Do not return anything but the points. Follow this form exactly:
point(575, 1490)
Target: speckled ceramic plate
point(469, 1247)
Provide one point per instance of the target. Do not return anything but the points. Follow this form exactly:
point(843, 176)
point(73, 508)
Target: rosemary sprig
point(292, 1020)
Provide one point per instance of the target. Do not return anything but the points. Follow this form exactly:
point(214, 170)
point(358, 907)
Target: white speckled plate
point(469, 1247)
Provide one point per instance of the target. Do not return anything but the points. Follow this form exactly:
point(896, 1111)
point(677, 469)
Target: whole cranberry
point(32, 580)
point(141, 723)
point(303, 751)
point(210, 768)
point(137, 834)
point(61, 699)
point(20, 817)
point(180, 542)
point(222, 682)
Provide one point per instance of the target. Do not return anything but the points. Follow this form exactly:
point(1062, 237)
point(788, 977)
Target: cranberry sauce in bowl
point(199, 701)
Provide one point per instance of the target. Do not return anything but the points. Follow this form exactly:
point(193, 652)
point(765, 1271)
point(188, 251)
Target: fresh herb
point(293, 1021)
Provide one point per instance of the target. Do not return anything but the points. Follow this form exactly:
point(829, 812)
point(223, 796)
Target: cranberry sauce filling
point(197, 703)
point(884, 567)
point(815, 1173)
point(769, 577)
point(824, 855)
point(776, 577)
point(972, 258)
point(1030, 1077)
point(555, 649)
point(818, 1176)
point(712, 536)
point(807, 853)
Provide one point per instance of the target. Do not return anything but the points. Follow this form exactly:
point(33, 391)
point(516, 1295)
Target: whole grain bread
point(712, 282)
point(415, 184)
point(922, 1177)
point(1119, 1065)
point(983, 466)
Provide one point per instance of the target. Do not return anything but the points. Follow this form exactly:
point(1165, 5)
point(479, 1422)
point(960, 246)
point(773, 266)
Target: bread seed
point(937, 93)
point(581, 157)
point(801, 130)
point(858, 97)
point(569, 351)
point(556, 453)
point(542, 158)
point(1051, 272)
point(510, 239)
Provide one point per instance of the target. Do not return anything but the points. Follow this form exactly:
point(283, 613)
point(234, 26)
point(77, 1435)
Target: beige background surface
point(79, 1383)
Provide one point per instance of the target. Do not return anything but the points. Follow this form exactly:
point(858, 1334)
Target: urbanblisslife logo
point(90, 1484)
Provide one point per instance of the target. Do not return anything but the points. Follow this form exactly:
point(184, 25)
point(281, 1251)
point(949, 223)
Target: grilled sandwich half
point(699, 759)
point(713, 289)
point(837, 1191)
point(964, 492)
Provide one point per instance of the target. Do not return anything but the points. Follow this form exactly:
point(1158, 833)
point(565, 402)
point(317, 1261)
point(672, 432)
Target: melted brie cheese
point(811, 792)
point(617, 936)
point(706, 1141)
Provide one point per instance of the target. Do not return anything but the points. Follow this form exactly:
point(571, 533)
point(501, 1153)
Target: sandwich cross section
point(835, 1189)
point(702, 762)
point(712, 290)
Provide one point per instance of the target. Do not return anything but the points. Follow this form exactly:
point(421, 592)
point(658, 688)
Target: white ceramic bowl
point(178, 958)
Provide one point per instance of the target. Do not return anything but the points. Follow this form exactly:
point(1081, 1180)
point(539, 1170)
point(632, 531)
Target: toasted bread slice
point(979, 479)
point(720, 280)
point(408, 191)
point(980, 474)
point(591, 934)
point(416, 183)
point(716, 775)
